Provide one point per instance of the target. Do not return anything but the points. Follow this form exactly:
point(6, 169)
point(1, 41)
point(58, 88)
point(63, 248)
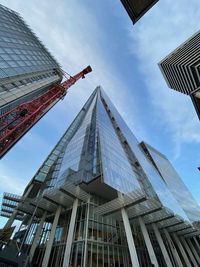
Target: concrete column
point(182, 250)
point(27, 192)
point(189, 251)
point(147, 240)
point(197, 243)
point(129, 236)
point(37, 235)
point(162, 246)
point(173, 249)
point(27, 231)
point(86, 234)
point(193, 250)
point(51, 238)
point(11, 220)
point(70, 234)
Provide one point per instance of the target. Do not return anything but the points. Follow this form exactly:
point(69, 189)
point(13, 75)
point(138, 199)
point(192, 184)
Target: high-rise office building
point(101, 198)
point(27, 69)
point(137, 8)
point(181, 69)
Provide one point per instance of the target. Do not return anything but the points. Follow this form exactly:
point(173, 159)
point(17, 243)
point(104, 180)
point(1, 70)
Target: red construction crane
point(16, 122)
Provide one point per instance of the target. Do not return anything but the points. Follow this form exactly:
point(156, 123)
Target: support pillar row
point(173, 249)
point(196, 242)
point(193, 250)
point(189, 251)
point(162, 246)
point(182, 250)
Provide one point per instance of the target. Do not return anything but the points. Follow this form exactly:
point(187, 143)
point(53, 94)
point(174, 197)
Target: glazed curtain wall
point(20, 50)
point(81, 158)
point(117, 171)
point(176, 185)
point(158, 184)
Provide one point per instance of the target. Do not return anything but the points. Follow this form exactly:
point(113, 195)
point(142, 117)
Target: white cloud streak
point(77, 42)
point(161, 30)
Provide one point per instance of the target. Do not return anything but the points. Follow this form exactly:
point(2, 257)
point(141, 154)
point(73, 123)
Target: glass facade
point(26, 66)
point(95, 150)
point(174, 183)
point(81, 157)
point(98, 151)
point(117, 170)
point(75, 157)
point(150, 174)
point(20, 50)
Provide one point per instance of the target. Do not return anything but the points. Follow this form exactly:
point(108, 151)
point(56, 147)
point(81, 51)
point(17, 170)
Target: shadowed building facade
point(137, 8)
point(27, 69)
point(101, 198)
point(181, 69)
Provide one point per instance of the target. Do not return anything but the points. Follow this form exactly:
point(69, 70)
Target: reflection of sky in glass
point(71, 164)
point(117, 170)
point(176, 186)
point(158, 184)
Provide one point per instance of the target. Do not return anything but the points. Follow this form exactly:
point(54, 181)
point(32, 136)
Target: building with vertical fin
point(181, 69)
point(27, 69)
point(101, 198)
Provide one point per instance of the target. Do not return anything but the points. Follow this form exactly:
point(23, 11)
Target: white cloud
point(160, 31)
point(77, 42)
point(11, 183)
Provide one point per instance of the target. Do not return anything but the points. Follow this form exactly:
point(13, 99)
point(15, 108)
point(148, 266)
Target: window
point(13, 64)
point(1, 50)
point(6, 57)
point(8, 50)
point(3, 64)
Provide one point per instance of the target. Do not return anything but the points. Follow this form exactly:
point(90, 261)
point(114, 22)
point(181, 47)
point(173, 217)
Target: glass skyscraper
point(27, 69)
point(101, 198)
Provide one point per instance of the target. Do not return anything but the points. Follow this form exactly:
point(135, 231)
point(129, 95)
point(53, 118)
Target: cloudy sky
point(124, 61)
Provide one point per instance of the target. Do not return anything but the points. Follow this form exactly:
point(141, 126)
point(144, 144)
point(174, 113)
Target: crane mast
point(16, 122)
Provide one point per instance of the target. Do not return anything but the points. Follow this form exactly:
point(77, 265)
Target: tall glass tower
point(27, 69)
point(101, 198)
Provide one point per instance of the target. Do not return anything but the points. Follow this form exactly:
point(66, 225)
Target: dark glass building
point(137, 8)
point(27, 69)
point(101, 198)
